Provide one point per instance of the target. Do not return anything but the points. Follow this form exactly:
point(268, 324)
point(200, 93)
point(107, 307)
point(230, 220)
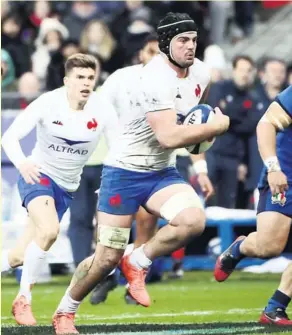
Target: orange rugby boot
point(22, 312)
point(136, 279)
point(63, 323)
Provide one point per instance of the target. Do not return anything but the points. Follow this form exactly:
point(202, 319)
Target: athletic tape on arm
point(276, 116)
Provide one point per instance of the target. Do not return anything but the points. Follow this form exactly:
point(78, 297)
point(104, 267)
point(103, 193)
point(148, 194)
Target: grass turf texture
point(178, 307)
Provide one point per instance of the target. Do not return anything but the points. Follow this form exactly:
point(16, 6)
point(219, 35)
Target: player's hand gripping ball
point(198, 115)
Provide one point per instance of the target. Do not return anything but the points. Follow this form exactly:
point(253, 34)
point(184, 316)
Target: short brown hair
point(248, 59)
point(80, 60)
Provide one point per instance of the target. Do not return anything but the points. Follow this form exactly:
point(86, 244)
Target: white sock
point(5, 266)
point(129, 249)
point(139, 259)
point(34, 256)
point(67, 304)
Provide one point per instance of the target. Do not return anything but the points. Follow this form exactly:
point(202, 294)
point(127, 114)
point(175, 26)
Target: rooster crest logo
point(92, 124)
point(198, 91)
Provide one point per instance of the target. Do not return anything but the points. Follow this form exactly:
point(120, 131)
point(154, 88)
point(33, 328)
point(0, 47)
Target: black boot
point(102, 289)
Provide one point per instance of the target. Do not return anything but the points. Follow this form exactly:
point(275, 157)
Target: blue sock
point(236, 252)
point(278, 300)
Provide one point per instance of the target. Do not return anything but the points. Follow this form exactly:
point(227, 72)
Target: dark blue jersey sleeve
point(284, 99)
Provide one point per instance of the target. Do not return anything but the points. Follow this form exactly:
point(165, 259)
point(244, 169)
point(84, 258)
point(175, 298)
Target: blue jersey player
point(274, 215)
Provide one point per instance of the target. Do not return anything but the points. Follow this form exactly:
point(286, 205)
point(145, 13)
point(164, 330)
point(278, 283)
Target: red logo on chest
point(92, 124)
point(198, 91)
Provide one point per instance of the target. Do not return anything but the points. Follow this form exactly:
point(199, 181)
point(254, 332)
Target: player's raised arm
point(23, 125)
point(278, 117)
point(170, 135)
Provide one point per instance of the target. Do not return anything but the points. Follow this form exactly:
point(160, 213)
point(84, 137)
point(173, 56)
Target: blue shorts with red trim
point(280, 204)
point(122, 192)
point(46, 187)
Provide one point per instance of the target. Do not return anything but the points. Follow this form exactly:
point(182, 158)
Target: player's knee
point(185, 209)
point(111, 260)
point(191, 221)
point(107, 263)
point(50, 234)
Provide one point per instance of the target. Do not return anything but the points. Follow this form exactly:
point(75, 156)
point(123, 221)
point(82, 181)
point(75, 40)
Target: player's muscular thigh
point(179, 204)
point(272, 233)
point(122, 221)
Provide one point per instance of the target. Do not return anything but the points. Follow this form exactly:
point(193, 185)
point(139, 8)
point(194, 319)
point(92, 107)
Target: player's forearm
point(180, 136)
point(13, 150)
point(266, 137)
point(22, 126)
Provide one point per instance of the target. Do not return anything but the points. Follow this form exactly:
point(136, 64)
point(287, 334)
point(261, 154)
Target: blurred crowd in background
point(38, 36)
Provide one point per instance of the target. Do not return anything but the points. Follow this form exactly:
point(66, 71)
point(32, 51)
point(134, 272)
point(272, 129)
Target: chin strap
point(175, 63)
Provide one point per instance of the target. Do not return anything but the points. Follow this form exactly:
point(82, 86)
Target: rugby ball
point(200, 114)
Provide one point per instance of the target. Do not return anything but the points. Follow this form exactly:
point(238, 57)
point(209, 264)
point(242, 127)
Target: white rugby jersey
point(119, 86)
point(65, 138)
point(147, 89)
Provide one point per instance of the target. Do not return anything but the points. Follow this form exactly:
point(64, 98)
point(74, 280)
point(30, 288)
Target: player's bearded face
point(183, 49)
point(80, 83)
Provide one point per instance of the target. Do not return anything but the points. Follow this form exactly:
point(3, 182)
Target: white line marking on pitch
point(155, 315)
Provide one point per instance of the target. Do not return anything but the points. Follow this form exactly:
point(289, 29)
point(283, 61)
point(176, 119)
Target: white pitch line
point(156, 315)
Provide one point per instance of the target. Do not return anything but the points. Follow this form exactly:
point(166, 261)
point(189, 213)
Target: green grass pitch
point(195, 305)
